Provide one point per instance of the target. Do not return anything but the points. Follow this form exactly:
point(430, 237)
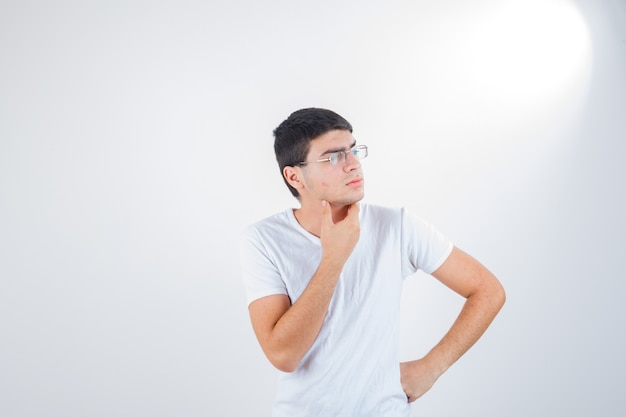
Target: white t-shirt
point(352, 368)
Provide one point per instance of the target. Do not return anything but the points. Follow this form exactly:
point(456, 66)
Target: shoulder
point(259, 240)
point(268, 225)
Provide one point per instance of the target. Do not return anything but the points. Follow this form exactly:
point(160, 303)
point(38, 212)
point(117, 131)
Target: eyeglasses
point(335, 158)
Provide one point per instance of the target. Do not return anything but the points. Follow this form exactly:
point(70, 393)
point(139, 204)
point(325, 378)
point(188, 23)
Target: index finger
point(354, 209)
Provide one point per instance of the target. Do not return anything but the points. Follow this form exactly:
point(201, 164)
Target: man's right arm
point(286, 331)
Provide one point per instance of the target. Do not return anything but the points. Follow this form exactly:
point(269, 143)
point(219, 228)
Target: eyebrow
point(333, 150)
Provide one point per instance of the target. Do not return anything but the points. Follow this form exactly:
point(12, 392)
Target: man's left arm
point(484, 298)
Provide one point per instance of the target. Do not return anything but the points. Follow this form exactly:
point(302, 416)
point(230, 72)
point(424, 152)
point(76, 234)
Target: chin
point(347, 200)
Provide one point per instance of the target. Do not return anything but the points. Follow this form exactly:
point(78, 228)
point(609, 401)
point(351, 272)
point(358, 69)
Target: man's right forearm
point(294, 332)
point(286, 332)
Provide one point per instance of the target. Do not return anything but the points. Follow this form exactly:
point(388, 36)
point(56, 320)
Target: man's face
point(340, 184)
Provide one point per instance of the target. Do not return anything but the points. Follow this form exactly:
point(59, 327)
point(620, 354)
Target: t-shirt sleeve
point(424, 246)
point(261, 276)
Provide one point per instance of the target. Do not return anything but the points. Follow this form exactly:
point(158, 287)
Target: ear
point(293, 177)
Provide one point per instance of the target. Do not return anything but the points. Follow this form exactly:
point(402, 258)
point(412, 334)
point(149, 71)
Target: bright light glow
point(468, 87)
point(529, 50)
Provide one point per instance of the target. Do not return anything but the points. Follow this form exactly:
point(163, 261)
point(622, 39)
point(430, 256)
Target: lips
point(355, 182)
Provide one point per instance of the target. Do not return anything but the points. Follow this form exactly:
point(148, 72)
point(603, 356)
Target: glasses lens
point(335, 157)
point(360, 151)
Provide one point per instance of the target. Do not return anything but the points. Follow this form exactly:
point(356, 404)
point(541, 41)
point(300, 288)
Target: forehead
point(332, 141)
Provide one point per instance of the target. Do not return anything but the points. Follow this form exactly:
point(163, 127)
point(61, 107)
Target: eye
point(334, 158)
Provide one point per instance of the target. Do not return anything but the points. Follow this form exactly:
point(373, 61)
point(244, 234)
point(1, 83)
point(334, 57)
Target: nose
point(351, 163)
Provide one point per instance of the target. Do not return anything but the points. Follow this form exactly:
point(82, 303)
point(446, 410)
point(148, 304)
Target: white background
point(135, 144)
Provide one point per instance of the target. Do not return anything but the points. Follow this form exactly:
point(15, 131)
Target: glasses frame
point(353, 151)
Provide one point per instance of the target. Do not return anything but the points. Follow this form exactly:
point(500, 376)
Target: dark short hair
point(292, 138)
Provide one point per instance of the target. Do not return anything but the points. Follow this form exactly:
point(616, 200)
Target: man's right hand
point(339, 239)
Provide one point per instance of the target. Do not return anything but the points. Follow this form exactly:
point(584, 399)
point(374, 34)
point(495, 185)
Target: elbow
point(499, 296)
point(285, 367)
point(283, 359)
point(491, 295)
point(282, 355)
point(283, 362)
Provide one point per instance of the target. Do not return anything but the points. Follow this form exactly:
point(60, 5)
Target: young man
point(323, 283)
